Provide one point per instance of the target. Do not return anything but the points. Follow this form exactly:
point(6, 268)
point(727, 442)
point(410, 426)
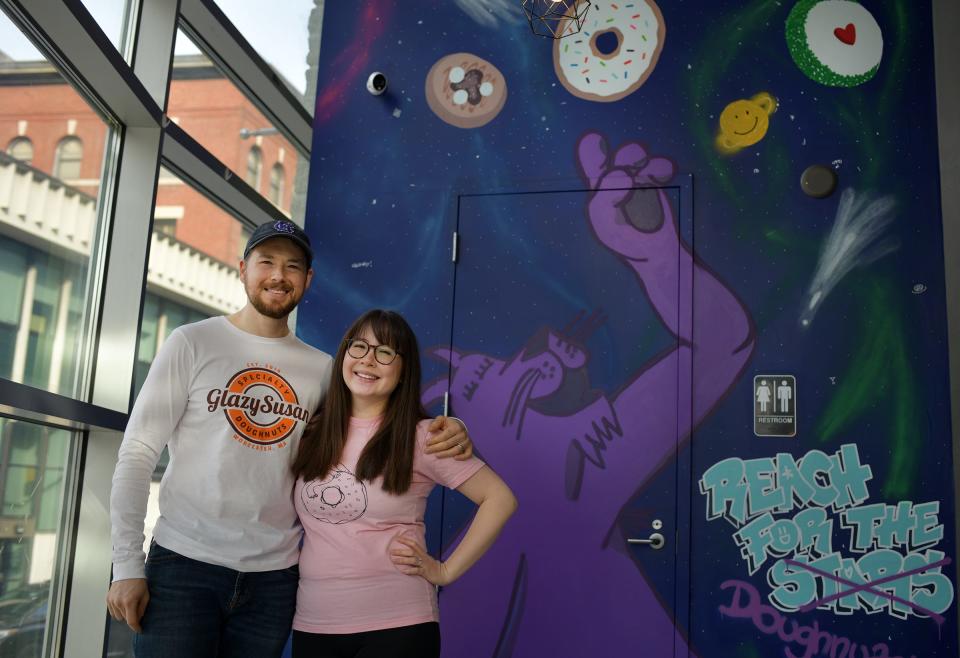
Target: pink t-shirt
point(348, 583)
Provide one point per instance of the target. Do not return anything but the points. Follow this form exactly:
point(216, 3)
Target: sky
point(282, 40)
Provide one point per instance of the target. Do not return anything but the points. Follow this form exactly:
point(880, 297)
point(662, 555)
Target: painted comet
point(858, 238)
point(592, 449)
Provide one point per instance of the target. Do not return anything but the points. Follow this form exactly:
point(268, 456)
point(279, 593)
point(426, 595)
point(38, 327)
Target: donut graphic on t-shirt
point(338, 498)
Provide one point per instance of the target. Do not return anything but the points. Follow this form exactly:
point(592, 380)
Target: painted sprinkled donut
point(614, 53)
point(838, 43)
point(465, 91)
point(338, 498)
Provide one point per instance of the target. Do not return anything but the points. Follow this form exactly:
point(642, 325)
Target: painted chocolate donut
point(614, 53)
point(338, 498)
point(465, 91)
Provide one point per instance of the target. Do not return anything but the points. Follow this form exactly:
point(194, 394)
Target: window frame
point(63, 144)
point(278, 179)
point(15, 142)
point(254, 173)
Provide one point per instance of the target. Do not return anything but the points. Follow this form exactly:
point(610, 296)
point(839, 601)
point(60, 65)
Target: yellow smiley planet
point(744, 122)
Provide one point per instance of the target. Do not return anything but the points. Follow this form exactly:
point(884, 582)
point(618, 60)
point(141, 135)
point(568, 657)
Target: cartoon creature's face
point(533, 375)
point(745, 122)
point(569, 353)
point(481, 382)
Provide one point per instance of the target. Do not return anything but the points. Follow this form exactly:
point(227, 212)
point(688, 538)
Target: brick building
point(46, 124)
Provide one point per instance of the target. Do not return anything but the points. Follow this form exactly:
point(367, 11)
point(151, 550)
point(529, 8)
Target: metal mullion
point(202, 170)
point(125, 269)
point(44, 408)
point(90, 549)
point(213, 32)
point(123, 290)
point(70, 37)
point(66, 544)
point(154, 37)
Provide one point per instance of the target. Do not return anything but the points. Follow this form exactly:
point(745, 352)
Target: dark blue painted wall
point(387, 176)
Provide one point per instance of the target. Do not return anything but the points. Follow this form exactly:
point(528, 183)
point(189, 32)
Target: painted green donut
point(837, 43)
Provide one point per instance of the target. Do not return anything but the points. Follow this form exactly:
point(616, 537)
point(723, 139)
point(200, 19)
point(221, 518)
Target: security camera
point(377, 83)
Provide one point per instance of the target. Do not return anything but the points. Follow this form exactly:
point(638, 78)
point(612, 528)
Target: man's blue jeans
point(201, 610)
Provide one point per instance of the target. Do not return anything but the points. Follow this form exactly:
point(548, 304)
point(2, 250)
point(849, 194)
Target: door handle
point(655, 541)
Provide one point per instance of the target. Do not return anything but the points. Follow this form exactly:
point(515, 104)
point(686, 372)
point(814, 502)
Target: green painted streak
point(776, 236)
point(801, 247)
point(714, 59)
point(880, 376)
point(867, 377)
point(866, 122)
point(907, 419)
point(777, 169)
point(747, 651)
point(896, 60)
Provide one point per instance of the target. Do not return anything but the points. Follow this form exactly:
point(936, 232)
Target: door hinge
point(455, 250)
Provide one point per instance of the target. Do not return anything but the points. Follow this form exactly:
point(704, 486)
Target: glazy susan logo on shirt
point(260, 405)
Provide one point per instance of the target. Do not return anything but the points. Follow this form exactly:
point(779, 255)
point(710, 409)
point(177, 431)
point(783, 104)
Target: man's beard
point(275, 312)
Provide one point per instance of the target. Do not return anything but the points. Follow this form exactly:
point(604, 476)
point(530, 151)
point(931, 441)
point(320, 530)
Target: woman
point(367, 584)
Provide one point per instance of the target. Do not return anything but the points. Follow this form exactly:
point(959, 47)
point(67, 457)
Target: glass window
point(48, 218)
point(21, 148)
point(254, 167)
point(212, 110)
point(110, 16)
point(192, 271)
point(165, 226)
point(192, 275)
point(284, 40)
point(160, 317)
point(245, 234)
point(68, 159)
point(277, 176)
point(33, 472)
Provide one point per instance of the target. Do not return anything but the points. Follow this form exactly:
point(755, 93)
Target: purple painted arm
point(639, 226)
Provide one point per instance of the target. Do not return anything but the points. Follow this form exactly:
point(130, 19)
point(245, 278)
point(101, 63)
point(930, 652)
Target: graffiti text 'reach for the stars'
point(894, 569)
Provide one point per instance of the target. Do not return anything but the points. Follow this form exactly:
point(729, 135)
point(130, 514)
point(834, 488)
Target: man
point(230, 397)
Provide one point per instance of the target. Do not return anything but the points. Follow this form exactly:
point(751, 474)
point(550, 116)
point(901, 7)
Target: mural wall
point(699, 295)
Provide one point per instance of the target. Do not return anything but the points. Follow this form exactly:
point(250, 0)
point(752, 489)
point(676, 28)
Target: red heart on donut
point(847, 34)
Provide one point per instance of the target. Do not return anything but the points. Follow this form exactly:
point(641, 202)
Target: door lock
point(655, 541)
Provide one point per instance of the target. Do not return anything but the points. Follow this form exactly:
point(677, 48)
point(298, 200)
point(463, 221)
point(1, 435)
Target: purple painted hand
point(630, 221)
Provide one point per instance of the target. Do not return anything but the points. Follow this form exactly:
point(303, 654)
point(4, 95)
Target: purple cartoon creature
point(559, 581)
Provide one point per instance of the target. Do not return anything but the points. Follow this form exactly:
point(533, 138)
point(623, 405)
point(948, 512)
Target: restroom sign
point(775, 405)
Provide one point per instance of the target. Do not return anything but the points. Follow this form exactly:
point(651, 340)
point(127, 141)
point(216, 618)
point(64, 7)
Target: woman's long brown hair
point(389, 453)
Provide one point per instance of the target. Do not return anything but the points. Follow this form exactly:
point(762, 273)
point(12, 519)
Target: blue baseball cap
point(280, 229)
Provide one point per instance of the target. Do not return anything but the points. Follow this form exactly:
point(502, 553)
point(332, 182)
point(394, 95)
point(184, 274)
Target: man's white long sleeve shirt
point(231, 407)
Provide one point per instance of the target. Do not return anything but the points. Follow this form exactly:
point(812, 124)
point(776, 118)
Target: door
point(567, 364)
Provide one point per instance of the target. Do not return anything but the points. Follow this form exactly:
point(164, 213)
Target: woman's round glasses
point(358, 348)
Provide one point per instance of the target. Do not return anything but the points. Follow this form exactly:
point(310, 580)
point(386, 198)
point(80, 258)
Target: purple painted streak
point(575, 460)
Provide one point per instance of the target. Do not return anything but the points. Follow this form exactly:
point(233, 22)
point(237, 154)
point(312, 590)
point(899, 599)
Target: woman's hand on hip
point(411, 558)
